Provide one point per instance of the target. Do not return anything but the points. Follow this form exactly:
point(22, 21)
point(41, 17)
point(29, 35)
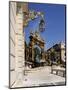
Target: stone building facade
point(12, 22)
point(17, 56)
point(59, 53)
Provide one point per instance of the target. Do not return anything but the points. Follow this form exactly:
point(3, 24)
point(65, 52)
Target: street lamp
point(42, 25)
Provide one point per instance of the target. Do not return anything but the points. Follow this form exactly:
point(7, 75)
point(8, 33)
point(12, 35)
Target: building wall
point(17, 50)
point(12, 22)
point(59, 49)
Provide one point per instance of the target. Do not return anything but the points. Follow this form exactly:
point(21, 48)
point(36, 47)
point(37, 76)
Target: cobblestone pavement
point(41, 77)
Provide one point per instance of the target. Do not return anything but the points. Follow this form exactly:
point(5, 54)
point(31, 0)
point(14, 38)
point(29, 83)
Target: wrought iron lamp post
point(42, 25)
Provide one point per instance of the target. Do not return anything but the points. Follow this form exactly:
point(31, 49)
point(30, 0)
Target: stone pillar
point(19, 49)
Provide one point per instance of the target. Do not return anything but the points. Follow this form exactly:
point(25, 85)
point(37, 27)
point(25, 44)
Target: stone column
point(19, 50)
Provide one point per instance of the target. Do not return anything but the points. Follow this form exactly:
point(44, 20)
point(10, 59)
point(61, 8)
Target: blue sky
point(54, 16)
